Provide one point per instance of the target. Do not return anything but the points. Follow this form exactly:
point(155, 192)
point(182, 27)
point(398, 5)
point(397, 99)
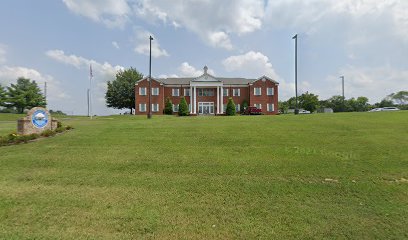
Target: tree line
point(310, 102)
point(24, 94)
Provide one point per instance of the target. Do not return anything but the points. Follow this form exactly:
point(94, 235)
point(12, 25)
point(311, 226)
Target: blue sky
point(55, 41)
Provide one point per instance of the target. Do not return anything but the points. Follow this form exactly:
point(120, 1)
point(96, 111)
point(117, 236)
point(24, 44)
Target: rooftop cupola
point(205, 69)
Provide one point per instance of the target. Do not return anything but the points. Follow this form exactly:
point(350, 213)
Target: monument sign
point(38, 119)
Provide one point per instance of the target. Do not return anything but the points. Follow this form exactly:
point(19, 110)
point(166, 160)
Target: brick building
point(206, 94)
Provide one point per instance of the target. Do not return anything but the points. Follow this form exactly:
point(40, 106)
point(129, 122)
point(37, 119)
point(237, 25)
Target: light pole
point(296, 92)
point(342, 89)
point(149, 114)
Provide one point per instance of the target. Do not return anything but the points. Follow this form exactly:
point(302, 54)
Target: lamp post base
point(149, 115)
point(296, 111)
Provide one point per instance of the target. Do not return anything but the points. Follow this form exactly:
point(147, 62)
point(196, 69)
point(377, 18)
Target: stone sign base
point(37, 120)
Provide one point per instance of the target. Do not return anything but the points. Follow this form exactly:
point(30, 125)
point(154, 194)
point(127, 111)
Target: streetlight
point(149, 114)
point(342, 89)
point(296, 92)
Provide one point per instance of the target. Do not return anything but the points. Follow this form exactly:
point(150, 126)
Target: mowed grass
point(320, 176)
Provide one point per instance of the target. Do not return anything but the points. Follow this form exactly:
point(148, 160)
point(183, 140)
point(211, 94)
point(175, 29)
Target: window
point(205, 92)
point(142, 91)
point(259, 106)
point(142, 107)
point(270, 107)
point(155, 107)
point(257, 91)
point(175, 107)
point(189, 107)
point(155, 91)
point(225, 108)
point(175, 92)
point(236, 92)
point(186, 92)
point(237, 108)
point(225, 92)
point(270, 92)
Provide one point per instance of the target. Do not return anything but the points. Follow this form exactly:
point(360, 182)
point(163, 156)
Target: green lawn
point(319, 176)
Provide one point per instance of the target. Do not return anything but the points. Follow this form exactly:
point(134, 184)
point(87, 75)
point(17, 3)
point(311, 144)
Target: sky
point(55, 41)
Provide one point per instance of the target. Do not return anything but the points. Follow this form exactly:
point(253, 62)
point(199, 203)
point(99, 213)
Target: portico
point(205, 87)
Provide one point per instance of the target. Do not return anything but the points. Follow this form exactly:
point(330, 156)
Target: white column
point(222, 100)
point(218, 99)
point(195, 100)
point(191, 99)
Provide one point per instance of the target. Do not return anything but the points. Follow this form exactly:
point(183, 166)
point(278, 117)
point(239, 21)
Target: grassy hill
point(262, 177)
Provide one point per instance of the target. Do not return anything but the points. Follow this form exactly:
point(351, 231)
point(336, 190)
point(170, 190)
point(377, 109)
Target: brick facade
point(208, 85)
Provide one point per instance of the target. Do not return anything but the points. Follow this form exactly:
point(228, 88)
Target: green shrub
point(168, 107)
point(60, 130)
point(59, 124)
point(69, 127)
point(230, 107)
point(183, 107)
point(244, 106)
point(48, 133)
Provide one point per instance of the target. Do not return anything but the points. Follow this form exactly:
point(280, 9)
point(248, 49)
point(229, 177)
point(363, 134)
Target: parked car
point(376, 110)
point(301, 111)
point(252, 111)
point(390, 109)
point(384, 109)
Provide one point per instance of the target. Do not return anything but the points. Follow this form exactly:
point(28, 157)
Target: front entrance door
point(205, 108)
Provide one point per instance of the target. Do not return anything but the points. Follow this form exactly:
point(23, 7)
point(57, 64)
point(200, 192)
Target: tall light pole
point(296, 92)
point(149, 114)
point(342, 89)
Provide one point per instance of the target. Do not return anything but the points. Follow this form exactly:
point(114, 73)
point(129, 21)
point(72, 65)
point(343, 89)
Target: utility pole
point(87, 99)
point(45, 92)
point(296, 92)
point(342, 91)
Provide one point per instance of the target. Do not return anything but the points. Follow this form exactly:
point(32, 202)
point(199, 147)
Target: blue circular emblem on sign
point(39, 118)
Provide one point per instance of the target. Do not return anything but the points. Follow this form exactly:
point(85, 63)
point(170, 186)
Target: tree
point(25, 94)
point(230, 111)
point(168, 106)
point(121, 91)
point(2, 96)
point(183, 107)
point(401, 97)
point(244, 106)
point(362, 104)
point(283, 106)
point(309, 101)
point(336, 103)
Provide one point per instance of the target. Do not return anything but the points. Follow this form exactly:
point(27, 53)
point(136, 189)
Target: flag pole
point(90, 90)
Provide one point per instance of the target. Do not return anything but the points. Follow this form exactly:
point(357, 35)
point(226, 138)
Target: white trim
point(218, 100)
point(236, 90)
point(273, 91)
point(226, 90)
point(140, 91)
point(260, 91)
point(176, 107)
point(153, 107)
point(175, 92)
point(140, 107)
point(153, 91)
point(185, 92)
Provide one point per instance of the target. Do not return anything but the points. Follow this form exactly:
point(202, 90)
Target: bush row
point(14, 138)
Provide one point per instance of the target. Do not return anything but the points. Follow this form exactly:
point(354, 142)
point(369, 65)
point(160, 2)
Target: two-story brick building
point(206, 94)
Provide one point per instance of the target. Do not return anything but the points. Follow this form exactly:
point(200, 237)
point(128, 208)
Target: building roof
point(226, 81)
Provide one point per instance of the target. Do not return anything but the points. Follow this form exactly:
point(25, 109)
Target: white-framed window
point(237, 108)
point(257, 91)
point(236, 92)
point(270, 91)
point(225, 92)
point(155, 91)
point(175, 107)
point(155, 107)
point(258, 105)
point(189, 107)
point(270, 107)
point(186, 92)
point(225, 108)
point(175, 92)
point(205, 92)
point(142, 91)
point(142, 107)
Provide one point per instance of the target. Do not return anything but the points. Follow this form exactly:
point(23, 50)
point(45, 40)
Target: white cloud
point(372, 82)
point(143, 44)
point(3, 52)
point(102, 71)
point(254, 63)
point(186, 70)
point(115, 45)
point(213, 21)
point(112, 13)
point(54, 90)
